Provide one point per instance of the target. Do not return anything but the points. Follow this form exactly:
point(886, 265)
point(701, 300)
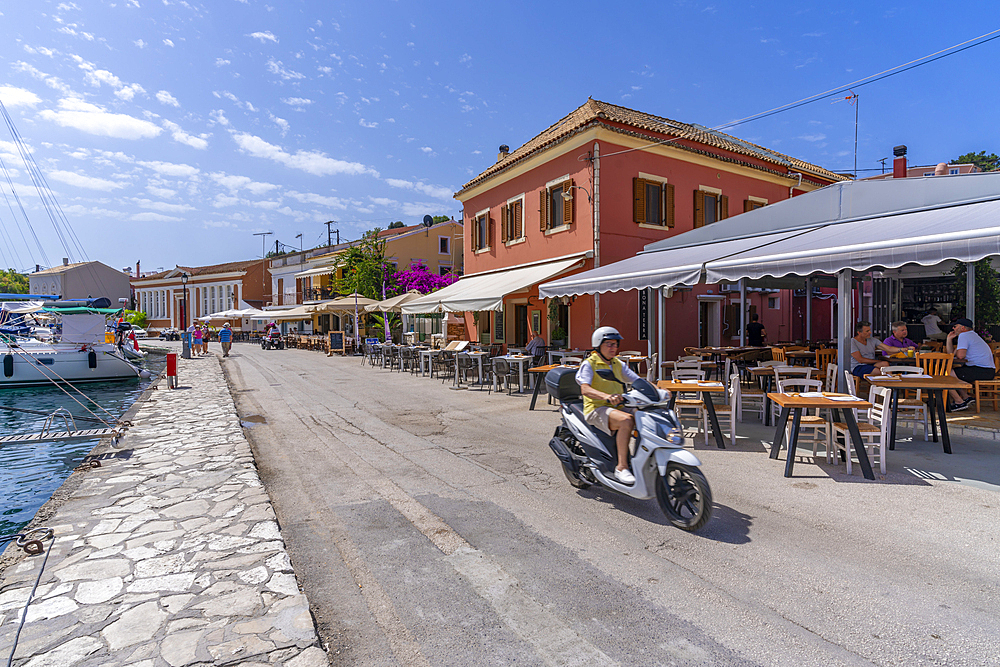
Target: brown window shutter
point(568, 204)
point(668, 205)
point(638, 200)
point(504, 222)
point(724, 205)
point(518, 220)
point(490, 224)
point(543, 209)
point(475, 234)
point(747, 205)
point(699, 209)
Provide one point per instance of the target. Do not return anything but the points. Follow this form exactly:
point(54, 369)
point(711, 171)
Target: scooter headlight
point(672, 435)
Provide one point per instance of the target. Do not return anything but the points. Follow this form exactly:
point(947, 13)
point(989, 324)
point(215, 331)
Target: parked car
point(169, 334)
point(140, 332)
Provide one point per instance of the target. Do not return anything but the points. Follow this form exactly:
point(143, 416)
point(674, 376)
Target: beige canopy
point(343, 304)
point(394, 304)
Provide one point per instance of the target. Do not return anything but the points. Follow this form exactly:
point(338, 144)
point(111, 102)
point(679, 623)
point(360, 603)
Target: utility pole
point(263, 256)
point(329, 237)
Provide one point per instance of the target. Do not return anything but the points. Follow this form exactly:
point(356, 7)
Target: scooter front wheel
point(684, 496)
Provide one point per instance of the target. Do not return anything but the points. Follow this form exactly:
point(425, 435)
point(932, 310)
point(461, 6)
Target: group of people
point(201, 333)
point(962, 341)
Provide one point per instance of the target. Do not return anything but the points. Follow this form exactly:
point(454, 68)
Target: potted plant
point(558, 337)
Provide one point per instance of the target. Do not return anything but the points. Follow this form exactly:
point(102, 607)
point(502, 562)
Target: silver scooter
point(660, 464)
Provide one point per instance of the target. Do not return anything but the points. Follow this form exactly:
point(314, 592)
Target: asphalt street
point(432, 526)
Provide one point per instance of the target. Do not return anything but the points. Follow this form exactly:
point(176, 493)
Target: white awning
point(299, 313)
point(486, 291)
point(965, 233)
point(664, 268)
point(317, 271)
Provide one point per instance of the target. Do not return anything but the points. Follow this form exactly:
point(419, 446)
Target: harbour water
point(30, 473)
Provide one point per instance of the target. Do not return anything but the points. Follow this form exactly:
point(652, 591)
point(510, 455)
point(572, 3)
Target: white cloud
point(172, 169)
point(427, 149)
point(164, 207)
point(362, 123)
point(39, 49)
point(220, 62)
point(312, 198)
point(81, 181)
point(154, 217)
point(813, 137)
point(280, 122)
point(465, 58)
point(169, 43)
point(98, 76)
point(18, 97)
point(219, 117)
point(265, 36)
point(92, 119)
point(165, 193)
point(437, 191)
point(141, 44)
point(296, 101)
point(128, 92)
point(182, 137)
point(166, 98)
point(234, 183)
point(311, 162)
point(276, 67)
point(222, 201)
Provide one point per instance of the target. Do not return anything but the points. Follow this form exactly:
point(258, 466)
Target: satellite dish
point(428, 221)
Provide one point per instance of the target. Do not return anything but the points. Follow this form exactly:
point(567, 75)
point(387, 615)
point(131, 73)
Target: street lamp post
point(185, 336)
point(263, 257)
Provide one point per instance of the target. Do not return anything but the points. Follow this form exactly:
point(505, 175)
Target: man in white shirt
point(931, 328)
point(976, 354)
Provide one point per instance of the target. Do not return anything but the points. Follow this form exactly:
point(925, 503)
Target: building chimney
point(38, 268)
point(137, 274)
point(504, 150)
point(899, 163)
point(941, 169)
point(65, 261)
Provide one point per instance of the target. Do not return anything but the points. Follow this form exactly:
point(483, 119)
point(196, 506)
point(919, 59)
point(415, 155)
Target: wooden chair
point(989, 390)
point(811, 420)
point(825, 357)
point(935, 345)
point(778, 354)
point(874, 432)
point(935, 363)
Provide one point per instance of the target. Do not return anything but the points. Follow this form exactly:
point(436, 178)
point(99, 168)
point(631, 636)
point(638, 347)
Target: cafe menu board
point(337, 341)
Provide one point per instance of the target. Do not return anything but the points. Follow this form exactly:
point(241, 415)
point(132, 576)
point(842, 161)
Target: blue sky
point(171, 131)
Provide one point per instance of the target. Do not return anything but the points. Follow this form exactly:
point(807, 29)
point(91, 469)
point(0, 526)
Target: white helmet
point(603, 334)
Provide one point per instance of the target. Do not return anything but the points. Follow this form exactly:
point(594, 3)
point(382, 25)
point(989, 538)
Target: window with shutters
point(555, 210)
point(481, 231)
point(512, 220)
point(653, 202)
point(751, 203)
point(710, 205)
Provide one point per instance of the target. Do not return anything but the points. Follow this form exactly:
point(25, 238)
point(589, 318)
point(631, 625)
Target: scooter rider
point(600, 394)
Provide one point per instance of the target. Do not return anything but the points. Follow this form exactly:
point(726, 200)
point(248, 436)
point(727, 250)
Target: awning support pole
point(845, 331)
point(743, 312)
point(661, 329)
point(970, 291)
point(809, 310)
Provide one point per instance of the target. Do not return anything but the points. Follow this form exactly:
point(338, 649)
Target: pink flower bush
point(417, 277)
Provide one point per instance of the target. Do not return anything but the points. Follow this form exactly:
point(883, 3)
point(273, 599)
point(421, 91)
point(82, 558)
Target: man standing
point(931, 322)
point(756, 333)
point(226, 338)
point(898, 337)
point(976, 354)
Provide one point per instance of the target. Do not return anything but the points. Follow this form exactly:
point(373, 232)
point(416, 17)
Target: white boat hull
point(36, 364)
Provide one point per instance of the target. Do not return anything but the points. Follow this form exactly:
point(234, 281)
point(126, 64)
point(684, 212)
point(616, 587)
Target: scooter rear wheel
point(684, 496)
point(574, 479)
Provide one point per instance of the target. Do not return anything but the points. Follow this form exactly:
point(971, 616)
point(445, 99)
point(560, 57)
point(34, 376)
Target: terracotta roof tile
point(596, 111)
point(228, 267)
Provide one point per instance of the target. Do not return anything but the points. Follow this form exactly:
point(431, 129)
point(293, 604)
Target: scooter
point(661, 466)
point(272, 341)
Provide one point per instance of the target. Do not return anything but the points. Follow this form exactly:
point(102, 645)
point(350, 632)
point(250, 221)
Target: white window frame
point(524, 231)
point(486, 228)
point(447, 240)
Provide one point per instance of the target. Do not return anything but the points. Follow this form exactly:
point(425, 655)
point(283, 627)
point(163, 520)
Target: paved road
point(434, 527)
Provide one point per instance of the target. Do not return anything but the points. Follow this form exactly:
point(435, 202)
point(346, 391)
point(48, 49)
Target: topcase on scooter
point(562, 385)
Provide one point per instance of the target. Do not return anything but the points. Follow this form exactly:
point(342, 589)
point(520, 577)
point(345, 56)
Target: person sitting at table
point(898, 337)
point(864, 358)
point(756, 333)
point(976, 354)
point(533, 346)
point(600, 394)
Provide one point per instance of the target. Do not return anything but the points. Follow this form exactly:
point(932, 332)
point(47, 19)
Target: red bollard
point(172, 370)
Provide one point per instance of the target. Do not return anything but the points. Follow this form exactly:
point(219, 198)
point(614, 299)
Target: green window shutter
point(668, 205)
point(638, 200)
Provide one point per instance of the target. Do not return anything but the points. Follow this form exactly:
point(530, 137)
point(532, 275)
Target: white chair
point(831, 378)
point(785, 372)
point(852, 389)
point(727, 413)
point(874, 432)
point(913, 410)
point(812, 421)
point(690, 357)
point(688, 405)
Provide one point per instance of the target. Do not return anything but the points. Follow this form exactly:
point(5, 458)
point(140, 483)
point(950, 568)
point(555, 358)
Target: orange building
point(595, 188)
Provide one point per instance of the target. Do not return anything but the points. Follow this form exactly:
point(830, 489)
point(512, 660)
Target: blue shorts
point(863, 370)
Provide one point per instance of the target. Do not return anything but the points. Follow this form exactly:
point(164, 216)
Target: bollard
point(172, 370)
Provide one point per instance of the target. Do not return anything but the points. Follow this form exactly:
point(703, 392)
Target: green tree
point(985, 162)
point(396, 225)
point(440, 218)
point(12, 282)
point(987, 292)
point(135, 318)
point(364, 267)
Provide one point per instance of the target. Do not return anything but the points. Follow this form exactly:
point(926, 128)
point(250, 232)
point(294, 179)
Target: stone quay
point(168, 554)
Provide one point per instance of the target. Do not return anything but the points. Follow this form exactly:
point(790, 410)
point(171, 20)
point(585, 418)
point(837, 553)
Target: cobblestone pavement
point(170, 557)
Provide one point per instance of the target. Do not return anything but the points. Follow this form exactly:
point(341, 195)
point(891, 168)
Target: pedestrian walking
point(226, 338)
point(197, 347)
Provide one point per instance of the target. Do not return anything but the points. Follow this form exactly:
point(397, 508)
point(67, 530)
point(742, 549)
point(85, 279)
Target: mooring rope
point(24, 542)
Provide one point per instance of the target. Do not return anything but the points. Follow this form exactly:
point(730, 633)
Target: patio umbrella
point(394, 304)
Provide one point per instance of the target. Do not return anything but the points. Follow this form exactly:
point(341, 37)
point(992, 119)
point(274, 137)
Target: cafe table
point(799, 355)
point(634, 362)
point(841, 405)
point(767, 372)
point(708, 366)
point(429, 355)
point(557, 355)
point(935, 386)
point(539, 373)
point(522, 360)
point(706, 389)
point(478, 356)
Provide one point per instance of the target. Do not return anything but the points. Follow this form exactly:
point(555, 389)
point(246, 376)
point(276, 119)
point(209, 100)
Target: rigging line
point(44, 369)
point(20, 206)
point(834, 91)
point(33, 172)
point(24, 614)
